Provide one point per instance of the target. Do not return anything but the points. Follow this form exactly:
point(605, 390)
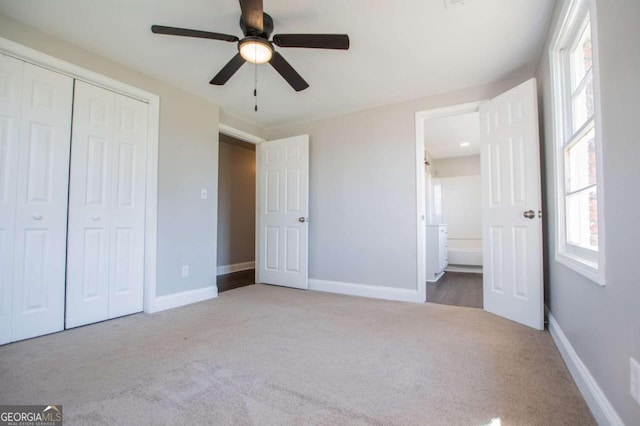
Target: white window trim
point(571, 10)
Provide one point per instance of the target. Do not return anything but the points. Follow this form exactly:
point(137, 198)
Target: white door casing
point(41, 203)
point(512, 243)
point(283, 203)
point(106, 206)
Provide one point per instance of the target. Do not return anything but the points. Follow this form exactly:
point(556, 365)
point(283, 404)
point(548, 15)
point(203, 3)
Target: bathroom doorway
point(453, 206)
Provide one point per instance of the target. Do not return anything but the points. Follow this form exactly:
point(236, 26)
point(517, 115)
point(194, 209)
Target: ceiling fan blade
point(288, 73)
point(314, 41)
point(160, 29)
point(228, 70)
point(252, 13)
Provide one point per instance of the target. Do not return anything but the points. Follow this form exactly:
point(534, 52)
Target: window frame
point(569, 27)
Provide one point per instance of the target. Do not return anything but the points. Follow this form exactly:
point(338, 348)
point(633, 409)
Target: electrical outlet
point(185, 271)
point(635, 379)
point(204, 194)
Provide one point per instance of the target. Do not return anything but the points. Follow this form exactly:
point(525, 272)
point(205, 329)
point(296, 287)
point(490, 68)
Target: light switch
point(204, 194)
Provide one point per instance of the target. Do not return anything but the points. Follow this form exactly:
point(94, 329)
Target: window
point(574, 79)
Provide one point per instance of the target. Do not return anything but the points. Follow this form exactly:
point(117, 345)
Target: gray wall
point(188, 153)
point(603, 323)
point(236, 201)
point(363, 190)
point(456, 166)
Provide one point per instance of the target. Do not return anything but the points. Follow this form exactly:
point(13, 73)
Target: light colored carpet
point(273, 356)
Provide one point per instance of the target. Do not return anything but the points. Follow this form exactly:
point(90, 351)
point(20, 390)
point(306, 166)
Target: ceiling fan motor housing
point(267, 27)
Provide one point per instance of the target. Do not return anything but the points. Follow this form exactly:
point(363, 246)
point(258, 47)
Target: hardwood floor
point(236, 280)
point(457, 289)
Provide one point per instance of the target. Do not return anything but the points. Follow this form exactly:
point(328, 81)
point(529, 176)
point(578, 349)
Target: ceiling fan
point(256, 48)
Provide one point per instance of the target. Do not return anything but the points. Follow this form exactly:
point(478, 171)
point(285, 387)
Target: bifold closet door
point(105, 265)
point(10, 103)
point(35, 130)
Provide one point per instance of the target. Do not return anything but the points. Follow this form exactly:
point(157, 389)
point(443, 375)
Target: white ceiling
point(400, 50)
point(443, 136)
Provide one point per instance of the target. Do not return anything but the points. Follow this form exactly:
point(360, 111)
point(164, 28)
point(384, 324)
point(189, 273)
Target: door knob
point(37, 216)
point(302, 219)
point(529, 214)
point(96, 218)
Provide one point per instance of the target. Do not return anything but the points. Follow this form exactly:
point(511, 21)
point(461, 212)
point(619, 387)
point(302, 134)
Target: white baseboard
point(597, 401)
point(236, 267)
point(364, 290)
point(464, 268)
point(182, 299)
point(436, 277)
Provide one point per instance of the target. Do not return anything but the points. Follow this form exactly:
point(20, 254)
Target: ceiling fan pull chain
point(255, 87)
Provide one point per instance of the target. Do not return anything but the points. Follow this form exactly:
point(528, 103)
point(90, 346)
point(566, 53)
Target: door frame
point(421, 243)
point(52, 63)
point(255, 140)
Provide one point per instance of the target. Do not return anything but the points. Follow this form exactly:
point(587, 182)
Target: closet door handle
point(37, 216)
point(96, 218)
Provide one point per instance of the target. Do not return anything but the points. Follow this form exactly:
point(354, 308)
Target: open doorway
point(510, 181)
point(236, 213)
point(279, 214)
point(453, 209)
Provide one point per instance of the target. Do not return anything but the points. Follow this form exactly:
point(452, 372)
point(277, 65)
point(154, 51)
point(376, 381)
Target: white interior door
point(106, 206)
point(512, 228)
point(41, 203)
point(10, 110)
point(283, 203)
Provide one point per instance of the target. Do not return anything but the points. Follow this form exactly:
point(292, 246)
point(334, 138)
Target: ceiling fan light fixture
point(255, 50)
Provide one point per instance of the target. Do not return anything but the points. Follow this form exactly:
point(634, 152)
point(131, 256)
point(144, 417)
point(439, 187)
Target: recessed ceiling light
point(464, 144)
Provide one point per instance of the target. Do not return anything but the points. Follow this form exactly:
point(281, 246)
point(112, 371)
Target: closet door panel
point(90, 198)
point(41, 203)
point(10, 99)
point(105, 271)
point(128, 210)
